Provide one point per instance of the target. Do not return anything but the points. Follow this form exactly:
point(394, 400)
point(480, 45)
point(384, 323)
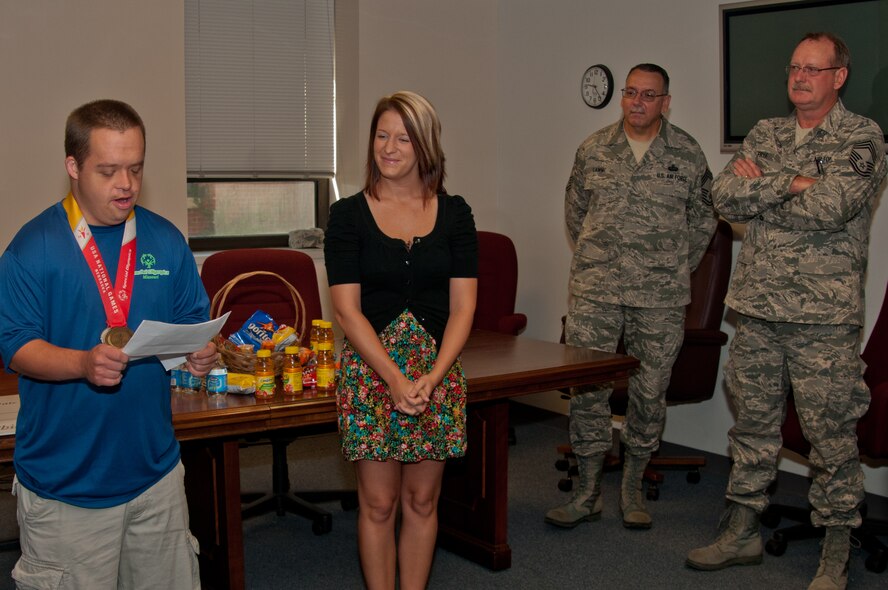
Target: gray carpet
point(283, 553)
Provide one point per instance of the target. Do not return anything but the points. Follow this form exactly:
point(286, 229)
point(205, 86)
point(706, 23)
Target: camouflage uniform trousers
point(654, 337)
point(822, 366)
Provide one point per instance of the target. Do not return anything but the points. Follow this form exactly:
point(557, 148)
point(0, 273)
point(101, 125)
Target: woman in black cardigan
point(402, 262)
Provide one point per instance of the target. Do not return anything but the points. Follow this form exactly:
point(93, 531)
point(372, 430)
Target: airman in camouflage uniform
point(638, 209)
point(805, 185)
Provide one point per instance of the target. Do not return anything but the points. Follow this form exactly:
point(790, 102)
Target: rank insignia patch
point(863, 157)
point(706, 189)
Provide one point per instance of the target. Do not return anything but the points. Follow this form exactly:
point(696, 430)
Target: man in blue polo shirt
point(99, 481)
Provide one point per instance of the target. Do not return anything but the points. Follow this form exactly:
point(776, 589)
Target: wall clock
point(597, 86)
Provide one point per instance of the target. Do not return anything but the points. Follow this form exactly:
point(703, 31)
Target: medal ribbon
point(115, 298)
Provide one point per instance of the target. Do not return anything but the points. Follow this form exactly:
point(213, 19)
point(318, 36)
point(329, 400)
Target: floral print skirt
point(369, 425)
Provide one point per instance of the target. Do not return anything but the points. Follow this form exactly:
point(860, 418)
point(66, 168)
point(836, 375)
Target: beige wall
point(445, 51)
point(58, 55)
point(504, 75)
point(350, 134)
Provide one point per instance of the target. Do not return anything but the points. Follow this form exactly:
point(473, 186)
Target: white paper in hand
point(171, 342)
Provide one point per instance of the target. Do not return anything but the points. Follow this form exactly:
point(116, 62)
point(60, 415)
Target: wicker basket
point(236, 360)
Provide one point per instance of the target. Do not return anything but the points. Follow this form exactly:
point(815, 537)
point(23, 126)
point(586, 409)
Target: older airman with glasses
point(805, 186)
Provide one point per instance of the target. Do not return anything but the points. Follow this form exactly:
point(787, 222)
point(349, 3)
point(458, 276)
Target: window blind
point(259, 88)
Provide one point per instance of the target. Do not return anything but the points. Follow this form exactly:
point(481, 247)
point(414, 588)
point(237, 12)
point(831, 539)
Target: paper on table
point(9, 407)
point(171, 342)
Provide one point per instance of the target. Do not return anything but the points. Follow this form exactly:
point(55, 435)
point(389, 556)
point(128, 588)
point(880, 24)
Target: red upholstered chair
point(263, 292)
point(497, 285)
point(497, 289)
point(872, 430)
point(696, 369)
point(269, 294)
point(872, 441)
point(872, 433)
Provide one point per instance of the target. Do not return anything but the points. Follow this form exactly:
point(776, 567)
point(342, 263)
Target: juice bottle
point(309, 369)
point(326, 369)
point(292, 371)
point(326, 357)
point(326, 332)
point(314, 335)
point(264, 374)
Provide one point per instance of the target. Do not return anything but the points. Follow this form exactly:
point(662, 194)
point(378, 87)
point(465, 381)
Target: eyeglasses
point(810, 71)
point(646, 95)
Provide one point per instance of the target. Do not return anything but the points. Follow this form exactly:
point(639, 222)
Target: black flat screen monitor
point(757, 41)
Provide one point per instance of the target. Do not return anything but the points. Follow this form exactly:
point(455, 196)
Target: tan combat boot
point(635, 514)
point(833, 571)
point(738, 543)
point(585, 505)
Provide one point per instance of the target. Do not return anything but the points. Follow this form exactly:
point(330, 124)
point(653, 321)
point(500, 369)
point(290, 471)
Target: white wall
point(504, 75)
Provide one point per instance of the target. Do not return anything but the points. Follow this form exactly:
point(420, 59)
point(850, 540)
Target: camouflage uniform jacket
point(639, 228)
point(804, 256)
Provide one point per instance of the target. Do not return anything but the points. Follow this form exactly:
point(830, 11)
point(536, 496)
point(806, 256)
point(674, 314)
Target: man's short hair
point(841, 53)
point(653, 69)
point(98, 114)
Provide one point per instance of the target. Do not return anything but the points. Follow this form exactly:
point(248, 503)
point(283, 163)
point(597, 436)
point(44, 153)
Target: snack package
point(309, 369)
point(284, 336)
point(241, 383)
point(304, 355)
point(260, 327)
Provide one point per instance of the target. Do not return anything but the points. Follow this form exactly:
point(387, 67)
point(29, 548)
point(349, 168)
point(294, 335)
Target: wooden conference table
point(473, 509)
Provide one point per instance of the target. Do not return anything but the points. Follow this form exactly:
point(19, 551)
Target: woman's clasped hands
point(412, 397)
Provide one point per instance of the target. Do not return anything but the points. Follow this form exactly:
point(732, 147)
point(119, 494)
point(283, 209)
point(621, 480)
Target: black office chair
point(695, 371)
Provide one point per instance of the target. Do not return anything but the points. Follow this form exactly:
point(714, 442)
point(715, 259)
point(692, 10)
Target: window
point(260, 119)
point(224, 213)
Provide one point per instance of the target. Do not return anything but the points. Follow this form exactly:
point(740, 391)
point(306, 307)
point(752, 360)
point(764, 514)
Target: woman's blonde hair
point(424, 130)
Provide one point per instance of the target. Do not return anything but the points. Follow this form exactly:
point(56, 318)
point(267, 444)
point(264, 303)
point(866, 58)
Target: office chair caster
point(770, 518)
point(776, 545)
point(568, 464)
point(653, 492)
point(877, 561)
point(349, 502)
point(565, 484)
point(322, 525)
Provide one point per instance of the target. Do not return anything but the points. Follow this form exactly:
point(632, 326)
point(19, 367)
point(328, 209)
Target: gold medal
point(117, 336)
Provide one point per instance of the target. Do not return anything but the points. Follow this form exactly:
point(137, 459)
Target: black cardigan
point(393, 278)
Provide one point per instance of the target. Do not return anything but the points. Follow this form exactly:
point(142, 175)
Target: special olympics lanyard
point(116, 298)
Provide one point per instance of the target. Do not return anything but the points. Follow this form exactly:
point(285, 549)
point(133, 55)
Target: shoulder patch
point(706, 189)
point(863, 157)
